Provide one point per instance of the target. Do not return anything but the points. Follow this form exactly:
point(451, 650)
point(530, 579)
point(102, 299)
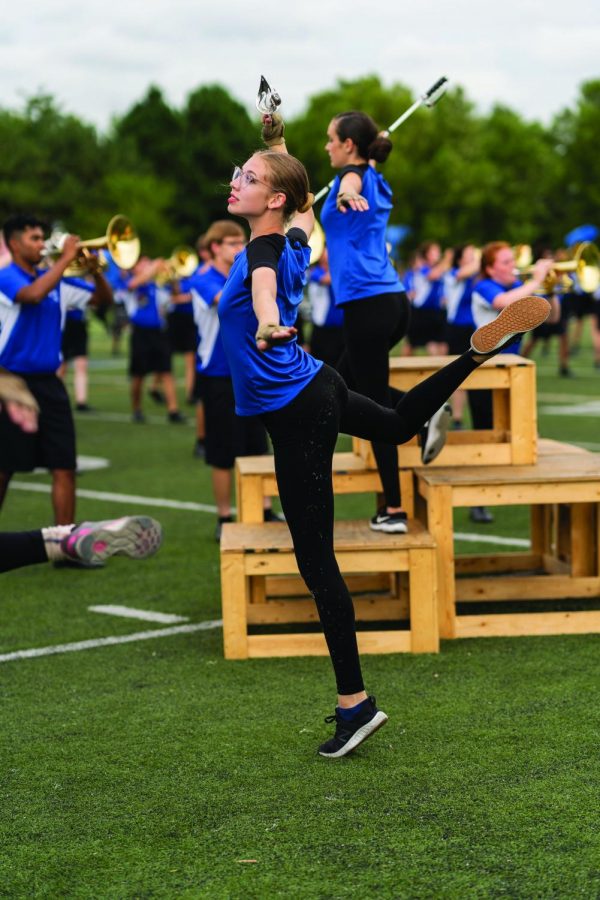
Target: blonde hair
point(288, 175)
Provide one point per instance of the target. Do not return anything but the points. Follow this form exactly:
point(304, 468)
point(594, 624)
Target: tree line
point(457, 175)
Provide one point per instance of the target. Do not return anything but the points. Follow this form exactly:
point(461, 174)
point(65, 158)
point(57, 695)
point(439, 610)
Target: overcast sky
point(97, 59)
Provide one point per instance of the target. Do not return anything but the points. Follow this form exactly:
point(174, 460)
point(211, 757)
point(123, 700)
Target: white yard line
point(491, 539)
point(109, 641)
point(129, 499)
point(146, 615)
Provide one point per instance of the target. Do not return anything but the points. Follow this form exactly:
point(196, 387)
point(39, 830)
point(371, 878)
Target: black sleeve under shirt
point(265, 251)
point(358, 170)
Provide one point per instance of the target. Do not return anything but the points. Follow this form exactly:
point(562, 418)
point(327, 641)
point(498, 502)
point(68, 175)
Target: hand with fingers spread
point(21, 405)
point(351, 200)
point(269, 335)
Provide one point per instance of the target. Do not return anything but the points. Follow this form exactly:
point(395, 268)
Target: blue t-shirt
point(484, 294)
point(323, 310)
point(358, 258)
point(265, 381)
point(204, 286)
point(31, 333)
point(426, 294)
point(145, 305)
point(458, 295)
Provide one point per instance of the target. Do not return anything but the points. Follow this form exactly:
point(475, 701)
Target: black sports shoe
point(269, 515)
point(481, 515)
point(199, 450)
point(348, 735)
point(222, 520)
point(157, 396)
point(433, 434)
point(176, 418)
point(391, 523)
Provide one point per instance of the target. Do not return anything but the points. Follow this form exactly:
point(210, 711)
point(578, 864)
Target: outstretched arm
point(264, 303)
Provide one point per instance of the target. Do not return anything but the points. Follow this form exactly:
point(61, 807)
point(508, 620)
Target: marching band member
point(366, 285)
point(457, 293)
point(428, 316)
point(304, 403)
point(33, 303)
point(149, 349)
point(227, 435)
point(327, 335)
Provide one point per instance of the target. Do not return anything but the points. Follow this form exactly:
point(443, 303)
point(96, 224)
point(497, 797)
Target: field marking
point(84, 464)
point(591, 408)
point(161, 502)
point(491, 539)
point(129, 612)
point(110, 641)
point(125, 419)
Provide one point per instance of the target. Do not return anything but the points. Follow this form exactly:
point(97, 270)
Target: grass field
point(155, 769)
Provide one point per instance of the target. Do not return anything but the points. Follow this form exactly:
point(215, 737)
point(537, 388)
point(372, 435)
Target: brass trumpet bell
point(120, 240)
point(182, 263)
point(583, 268)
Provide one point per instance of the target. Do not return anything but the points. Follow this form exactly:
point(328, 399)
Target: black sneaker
point(176, 418)
point(269, 515)
point(84, 407)
point(157, 396)
point(199, 450)
point(348, 735)
point(433, 434)
point(138, 417)
point(391, 523)
point(481, 515)
point(219, 527)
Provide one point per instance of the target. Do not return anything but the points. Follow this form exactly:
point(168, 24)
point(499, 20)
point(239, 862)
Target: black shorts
point(53, 445)
point(74, 339)
point(578, 306)
point(426, 325)
point(228, 435)
point(149, 351)
point(183, 335)
point(550, 329)
point(458, 338)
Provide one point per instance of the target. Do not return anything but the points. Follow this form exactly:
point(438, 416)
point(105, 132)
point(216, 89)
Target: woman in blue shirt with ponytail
point(304, 404)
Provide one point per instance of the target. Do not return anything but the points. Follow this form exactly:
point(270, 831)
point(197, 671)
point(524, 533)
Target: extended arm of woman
point(540, 270)
point(264, 303)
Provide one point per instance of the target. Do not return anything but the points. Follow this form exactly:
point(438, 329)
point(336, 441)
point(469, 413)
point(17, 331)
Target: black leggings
point(21, 548)
point(373, 326)
point(304, 435)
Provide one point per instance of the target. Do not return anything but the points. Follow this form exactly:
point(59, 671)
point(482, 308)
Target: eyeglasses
point(247, 178)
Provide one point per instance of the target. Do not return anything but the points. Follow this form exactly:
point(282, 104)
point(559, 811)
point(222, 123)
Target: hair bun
point(380, 149)
point(310, 199)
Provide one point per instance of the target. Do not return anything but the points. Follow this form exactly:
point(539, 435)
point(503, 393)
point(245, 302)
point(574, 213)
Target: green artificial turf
point(156, 769)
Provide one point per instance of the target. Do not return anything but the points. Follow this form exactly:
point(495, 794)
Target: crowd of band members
point(451, 293)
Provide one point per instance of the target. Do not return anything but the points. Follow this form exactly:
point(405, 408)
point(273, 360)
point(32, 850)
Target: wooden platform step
point(251, 551)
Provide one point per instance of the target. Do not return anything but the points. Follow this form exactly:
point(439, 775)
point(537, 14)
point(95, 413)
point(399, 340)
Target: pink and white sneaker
point(92, 542)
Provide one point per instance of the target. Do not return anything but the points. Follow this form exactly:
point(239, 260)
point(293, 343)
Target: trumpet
point(583, 268)
point(182, 263)
point(120, 240)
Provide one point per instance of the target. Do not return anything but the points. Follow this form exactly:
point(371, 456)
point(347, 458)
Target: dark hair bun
point(380, 149)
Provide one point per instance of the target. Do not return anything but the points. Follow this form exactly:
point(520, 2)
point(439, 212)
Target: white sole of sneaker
point(513, 320)
point(359, 736)
point(135, 536)
point(396, 528)
point(439, 425)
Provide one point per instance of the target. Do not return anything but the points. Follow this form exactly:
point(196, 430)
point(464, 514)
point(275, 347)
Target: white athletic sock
point(53, 538)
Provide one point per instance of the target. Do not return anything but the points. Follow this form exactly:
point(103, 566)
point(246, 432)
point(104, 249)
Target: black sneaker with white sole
point(433, 434)
point(349, 734)
point(391, 523)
